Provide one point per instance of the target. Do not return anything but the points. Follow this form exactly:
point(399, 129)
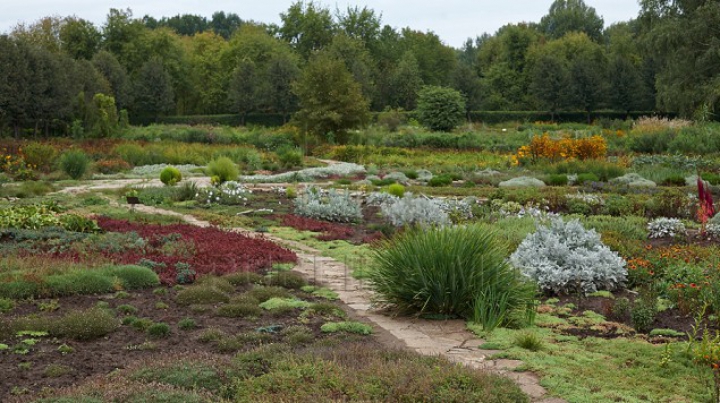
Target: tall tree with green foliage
point(331, 101)
point(116, 75)
point(549, 80)
point(440, 108)
point(152, 90)
point(79, 38)
point(243, 90)
point(406, 82)
point(282, 72)
point(308, 27)
point(567, 16)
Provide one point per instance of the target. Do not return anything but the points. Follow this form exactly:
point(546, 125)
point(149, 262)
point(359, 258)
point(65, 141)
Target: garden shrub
point(158, 330)
point(459, 271)
point(396, 190)
point(440, 108)
point(80, 282)
point(41, 156)
point(587, 177)
point(290, 157)
point(557, 180)
point(565, 257)
point(224, 169)
point(287, 279)
point(200, 295)
point(663, 227)
point(412, 210)
point(74, 163)
point(134, 277)
point(440, 180)
point(338, 207)
point(170, 176)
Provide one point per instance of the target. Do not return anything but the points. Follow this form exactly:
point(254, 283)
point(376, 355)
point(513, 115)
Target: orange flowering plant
point(565, 148)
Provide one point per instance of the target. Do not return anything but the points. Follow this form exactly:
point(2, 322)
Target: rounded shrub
point(396, 189)
point(224, 169)
point(134, 277)
point(557, 180)
point(440, 180)
point(74, 163)
point(240, 310)
point(453, 271)
point(159, 330)
point(287, 279)
point(170, 176)
point(564, 257)
point(440, 108)
point(89, 324)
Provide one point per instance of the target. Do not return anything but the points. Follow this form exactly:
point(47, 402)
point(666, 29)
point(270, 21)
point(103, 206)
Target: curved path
point(447, 338)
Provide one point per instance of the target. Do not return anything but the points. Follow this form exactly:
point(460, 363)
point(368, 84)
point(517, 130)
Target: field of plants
point(589, 252)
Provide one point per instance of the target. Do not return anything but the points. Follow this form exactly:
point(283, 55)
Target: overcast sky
point(452, 20)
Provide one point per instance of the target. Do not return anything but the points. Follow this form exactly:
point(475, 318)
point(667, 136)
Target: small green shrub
point(239, 310)
point(126, 309)
point(440, 108)
point(211, 335)
point(643, 313)
point(170, 176)
point(556, 180)
point(74, 163)
point(244, 299)
point(396, 189)
point(220, 283)
point(142, 324)
point(84, 325)
point(440, 180)
point(80, 282)
point(128, 320)
point(42, 156)
point(347, 327)
point(529, 341)
point(57, 370)
point(201, 295)
point(224, 169)
point(187, 324)
point(161, 305)
point(243, 278)
point(159, 330)
point(290, 157)
point(286, 279)
point(6, 305)
point(134, 277)
point(587, 177)
point(674, 180)
point(324, 309)
point(296, 335)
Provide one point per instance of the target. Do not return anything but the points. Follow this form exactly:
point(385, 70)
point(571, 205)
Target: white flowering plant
point(663, 227)
point(564, 257)
point(230, 193)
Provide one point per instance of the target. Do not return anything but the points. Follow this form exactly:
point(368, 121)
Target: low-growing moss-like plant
point(324, 309)
point(187, 324)
point(161, 305)
point(210, 335)
point(242, 278)
point(286, 279)
point(57, 370)
point(199, 294)
point(49, 306)
point(122, 295)
point(84, 325)
point(440, 180)
point(170, 176)
point(239, 310)
point(347, 327)
point(666, 333)
point(219, 283)
point(103, 305)
point(281, 303)
point(159, 330)
point(322, 292)
point(529, 341)
point(126, 309)
point(160, 291)
point(128, 320)
point(296, 335)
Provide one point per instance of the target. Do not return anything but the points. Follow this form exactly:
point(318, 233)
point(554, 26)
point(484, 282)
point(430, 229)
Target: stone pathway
point(446, 338)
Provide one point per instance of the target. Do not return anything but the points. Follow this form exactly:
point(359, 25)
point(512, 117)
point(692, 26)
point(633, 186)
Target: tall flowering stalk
point(706, 210)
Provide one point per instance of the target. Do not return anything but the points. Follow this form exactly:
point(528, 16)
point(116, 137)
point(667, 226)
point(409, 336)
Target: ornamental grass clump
point(452, 271)
point(564, 257)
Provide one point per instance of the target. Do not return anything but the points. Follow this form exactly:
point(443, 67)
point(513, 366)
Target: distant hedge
point(490, 117)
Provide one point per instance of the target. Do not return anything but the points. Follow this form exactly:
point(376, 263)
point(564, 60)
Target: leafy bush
point(396, 190)
point(187, 324)
point(663, 227)
point(170, 176)
point(126, 309)
point(287, 279)
point(224, 169)
point(411, 210)
point(449, 271)
point(587, 177)
point(440, 108)
point(440, 180)
point(331, 207)
point(74, 163)
point(290, 157)
point(557, 180)
point(41, 156)
point(565, 257)
point(158, 330)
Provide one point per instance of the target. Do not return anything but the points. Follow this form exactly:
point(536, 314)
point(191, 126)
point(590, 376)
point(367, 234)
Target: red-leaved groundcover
point(330, 231)
point(213, 250)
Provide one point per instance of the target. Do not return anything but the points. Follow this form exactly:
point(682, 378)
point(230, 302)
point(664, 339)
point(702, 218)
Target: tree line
point(64, 74)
